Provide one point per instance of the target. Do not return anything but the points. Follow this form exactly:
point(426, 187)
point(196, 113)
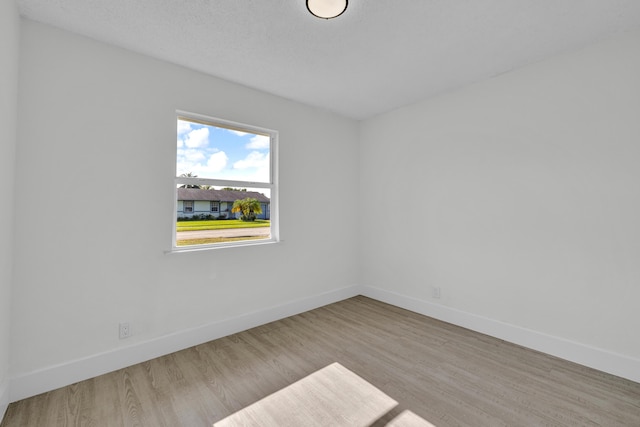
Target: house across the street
point(217, 203)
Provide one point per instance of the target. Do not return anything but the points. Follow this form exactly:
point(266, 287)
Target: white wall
point(9, 41)
point(518, 197)
point(94, 165)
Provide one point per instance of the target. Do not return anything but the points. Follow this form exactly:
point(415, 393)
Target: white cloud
point(217, 161)
point(256, 166)
point(261, 175)
point(197, 138)
point(194, 156)
point(196, 162)
point(184, 166)
point(237, 132)
point(259, 142)
point(183, 127)
point(255, 159)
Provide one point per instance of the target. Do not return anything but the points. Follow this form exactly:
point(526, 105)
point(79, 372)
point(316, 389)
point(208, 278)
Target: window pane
point(242, 214)
point(216, 152)
point(224, 182)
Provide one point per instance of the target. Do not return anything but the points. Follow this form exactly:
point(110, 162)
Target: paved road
point(232, 232)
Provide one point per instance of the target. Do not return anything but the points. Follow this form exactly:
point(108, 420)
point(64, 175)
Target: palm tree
point(248, 207)
point(189, 175)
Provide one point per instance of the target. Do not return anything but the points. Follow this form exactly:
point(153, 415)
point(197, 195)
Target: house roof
point(219, 195)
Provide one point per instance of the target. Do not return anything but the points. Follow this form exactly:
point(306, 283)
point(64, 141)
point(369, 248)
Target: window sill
point(199, 248)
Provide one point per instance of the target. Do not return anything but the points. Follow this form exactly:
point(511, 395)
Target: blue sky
point(214, 152)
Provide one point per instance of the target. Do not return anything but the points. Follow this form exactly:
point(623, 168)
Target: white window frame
point(272, 185)
point(215, 205)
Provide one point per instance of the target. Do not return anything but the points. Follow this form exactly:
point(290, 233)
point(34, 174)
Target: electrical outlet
point(436, 292)
point(125, 330)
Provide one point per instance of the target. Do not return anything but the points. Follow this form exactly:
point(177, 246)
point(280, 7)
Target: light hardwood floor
point(448, 375)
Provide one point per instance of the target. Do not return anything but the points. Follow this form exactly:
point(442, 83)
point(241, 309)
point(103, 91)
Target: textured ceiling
point(377, 56)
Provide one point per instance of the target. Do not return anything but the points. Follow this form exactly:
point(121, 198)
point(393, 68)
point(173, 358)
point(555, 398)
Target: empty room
point(322, 212)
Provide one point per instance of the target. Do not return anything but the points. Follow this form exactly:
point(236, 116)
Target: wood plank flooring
point(331, 396)
point(447, 375)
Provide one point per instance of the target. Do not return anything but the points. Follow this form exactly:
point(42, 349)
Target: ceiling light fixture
point(327, 9)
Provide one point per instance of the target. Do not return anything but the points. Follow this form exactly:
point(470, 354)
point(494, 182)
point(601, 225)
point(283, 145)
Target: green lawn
point(220, 224)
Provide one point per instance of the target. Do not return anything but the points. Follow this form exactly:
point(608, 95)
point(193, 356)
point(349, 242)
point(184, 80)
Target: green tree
point(189, 175)
point(248, 208)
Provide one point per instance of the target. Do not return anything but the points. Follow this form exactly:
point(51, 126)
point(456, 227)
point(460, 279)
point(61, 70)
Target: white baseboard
point(4, 399)
point(602, 360)
point(53, 377)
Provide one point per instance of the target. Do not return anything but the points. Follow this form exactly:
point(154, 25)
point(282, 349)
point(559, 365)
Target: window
point(225, 184)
